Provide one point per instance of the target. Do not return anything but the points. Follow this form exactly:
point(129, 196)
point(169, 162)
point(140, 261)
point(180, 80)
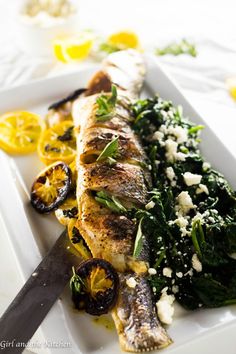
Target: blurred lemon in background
point(124, 40)
point(73, 48)
point(231, 86)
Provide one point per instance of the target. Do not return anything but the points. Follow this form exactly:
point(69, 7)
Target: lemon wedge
point(124, 40)
point(231, 85)
point(73, 48)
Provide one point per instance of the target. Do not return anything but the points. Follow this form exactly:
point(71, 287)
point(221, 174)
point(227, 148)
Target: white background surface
point(211, 24)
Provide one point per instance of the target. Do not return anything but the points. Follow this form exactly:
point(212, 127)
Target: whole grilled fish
point(110, 235)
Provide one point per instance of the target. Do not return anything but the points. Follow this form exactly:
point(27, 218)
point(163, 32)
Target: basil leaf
point(138, 244)
point(110, 151)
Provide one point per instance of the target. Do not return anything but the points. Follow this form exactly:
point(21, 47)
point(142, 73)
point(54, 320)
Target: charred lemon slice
point(94, 286)
point(76, 239)
point(57, 143)
point(51, 187)
point(20, 131)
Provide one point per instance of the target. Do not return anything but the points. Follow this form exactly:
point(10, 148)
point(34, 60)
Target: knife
point(26, 312)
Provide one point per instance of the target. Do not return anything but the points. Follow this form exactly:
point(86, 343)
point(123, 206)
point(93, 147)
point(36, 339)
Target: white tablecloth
point(210, 24)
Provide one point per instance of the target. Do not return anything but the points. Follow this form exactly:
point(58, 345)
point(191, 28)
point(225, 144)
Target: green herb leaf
point(75, 282)
point(106, 105)
point(110, 202)
point(138, 244)
point(108, 48)
point(195, 129)
point(184, 47)
point(109, 152)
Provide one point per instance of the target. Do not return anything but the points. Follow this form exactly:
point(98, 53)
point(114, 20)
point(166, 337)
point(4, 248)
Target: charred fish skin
point(110, 235)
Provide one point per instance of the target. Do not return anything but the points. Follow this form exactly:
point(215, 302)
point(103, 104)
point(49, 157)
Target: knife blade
point(26, 312)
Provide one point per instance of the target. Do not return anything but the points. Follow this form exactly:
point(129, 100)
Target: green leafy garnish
point(138, 244)
point(106, 105)
point(195, 129)
point(110, 151)
point(76, 283)
point(184, 47)
point(110, 202)
point(108, 48)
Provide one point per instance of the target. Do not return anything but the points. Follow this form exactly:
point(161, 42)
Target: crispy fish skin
point(109, 235)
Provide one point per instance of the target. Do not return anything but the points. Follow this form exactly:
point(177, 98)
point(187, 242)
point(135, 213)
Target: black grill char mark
point(120, 227)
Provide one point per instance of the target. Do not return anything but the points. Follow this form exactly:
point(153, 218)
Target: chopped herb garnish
point(106, 105)
point(110, 152)
point(67, 136)
point(76, 283)
point(184, 47)
point(110, 202)
point(108, 48)
point(138, 244)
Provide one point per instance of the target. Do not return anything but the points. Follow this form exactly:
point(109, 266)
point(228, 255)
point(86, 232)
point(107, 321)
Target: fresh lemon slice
point(231, 85)
point(57, 144)
point(124, 40)
point(20, 132)
point(67, 49)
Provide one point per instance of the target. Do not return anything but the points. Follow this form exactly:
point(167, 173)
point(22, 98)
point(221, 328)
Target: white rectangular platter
point(32, 235)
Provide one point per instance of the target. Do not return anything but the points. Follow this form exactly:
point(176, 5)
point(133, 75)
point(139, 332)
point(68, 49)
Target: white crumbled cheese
point(152, 271)
point(167, 272)
point(170, 173)
point(158, 135)
point(179, 132)
point(202, 189)
point(189, 272)
point(180, 156)
point(182, 222)
point(179, 274)
point(198, 216)
point(163, 129)
point(131, 282)
point(150, 205)
point(171, 150)
point(197, 265)
point(165, 308)
point(211, 219)
point(175, 289)
point(190, 178)
point(157, 163)
point(206, 166)
point(185, 203)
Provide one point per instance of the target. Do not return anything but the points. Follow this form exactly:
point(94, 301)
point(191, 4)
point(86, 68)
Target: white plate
point(32, 234)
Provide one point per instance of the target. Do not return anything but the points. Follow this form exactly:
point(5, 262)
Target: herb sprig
point(183, 47)
point(106, 105)
point(138, 244)
point(110, 152)
point(110, 202)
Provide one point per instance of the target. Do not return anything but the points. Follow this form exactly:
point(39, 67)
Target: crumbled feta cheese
point(190, 178)
point(175, 289)
point(167, 272)
point(171, 150)
point(211, 219)
point(202, 189)
point(131, 282)
point(170, 173)
point(197, 265)
point(179, 274)
point(163, 129)
point(158, 135)
point(179, 132)
point(206, 166)
point(150, 205)
point(189, 272)
point(185, 203)
point(182, 222)
point(180, 156)
point(152, 271)
point(165, 308)
point(157, 163)
point(198, 216)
